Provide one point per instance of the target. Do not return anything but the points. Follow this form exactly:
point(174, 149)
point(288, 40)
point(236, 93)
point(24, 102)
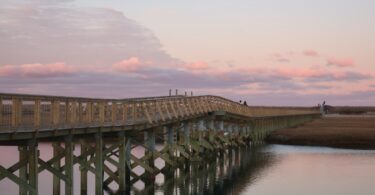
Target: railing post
point(89, 113)
point(114, 112)
point(55, 113)
point(124, 113)
point(16, 112)
point(101, 112)
point(73, 114)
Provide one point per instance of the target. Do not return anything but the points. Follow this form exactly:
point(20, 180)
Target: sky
point(269, 52)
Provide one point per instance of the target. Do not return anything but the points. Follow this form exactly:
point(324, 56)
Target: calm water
point(271, 169)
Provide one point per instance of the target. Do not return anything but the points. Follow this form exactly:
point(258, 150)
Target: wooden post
point(73, 113)
point(16, 112)
point(84, 149)
point(33, 166)
point(101, 112)
point(134, 112)
point(89, 113)
point(114, 112)
point(23, 170)
point(99, 163)
point(69, 148)
point(56, 165)
point(150, 148)
point(124, 160)
point(55, 113)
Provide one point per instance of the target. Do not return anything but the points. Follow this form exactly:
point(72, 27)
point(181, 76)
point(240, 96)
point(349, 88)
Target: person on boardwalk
point(245, 103)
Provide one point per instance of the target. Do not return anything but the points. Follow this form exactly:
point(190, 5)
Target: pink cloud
point(8, 70)
point(311, 53)
point(197, 66)
point(37, 70)
point(46, 70)
point(129, 65)
point(343, 62)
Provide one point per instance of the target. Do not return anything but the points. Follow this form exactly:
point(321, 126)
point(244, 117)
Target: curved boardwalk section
point(176, 130)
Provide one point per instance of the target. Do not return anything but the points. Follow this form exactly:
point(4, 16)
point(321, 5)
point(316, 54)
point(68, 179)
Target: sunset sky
point(268, 52)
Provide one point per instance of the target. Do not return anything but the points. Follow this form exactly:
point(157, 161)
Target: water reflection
point(228, 173)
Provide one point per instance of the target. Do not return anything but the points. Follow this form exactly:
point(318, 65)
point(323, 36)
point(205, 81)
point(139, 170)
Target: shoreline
point(336, 131)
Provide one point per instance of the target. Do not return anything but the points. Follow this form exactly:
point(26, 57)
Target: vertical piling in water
point(99, 171)
point(69, 148)
point(83, 173)
point(33, 166)
point(23, 170)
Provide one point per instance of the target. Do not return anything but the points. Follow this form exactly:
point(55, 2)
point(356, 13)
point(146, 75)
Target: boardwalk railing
point(33, 113)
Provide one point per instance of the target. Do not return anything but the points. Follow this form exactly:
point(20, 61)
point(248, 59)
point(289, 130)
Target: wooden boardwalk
point(107, 130)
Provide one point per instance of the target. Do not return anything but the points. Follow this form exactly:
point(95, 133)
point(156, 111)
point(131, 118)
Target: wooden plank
point(167, 110)
point(114, 113)
point(22, 169)
point(160, 111)
point(15, 113)
point(55, 113)
point(17, 180)
point(99, 164)
point(142, 164)
point(145, 108)
point(182, 151)
point(15, 167)
point(54, 171)
point(113, 162)
point(89, 112)
point(69, 158)
point(33, 167)
point(165, 157)
point(55, 160)
point(110, 173)
point(173, 109)
point(83, 170)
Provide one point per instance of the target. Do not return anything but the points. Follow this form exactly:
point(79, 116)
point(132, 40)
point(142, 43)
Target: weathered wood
point(56, 165)
point(33, 166)
point(69, 147)
point(99, 171)
point(23, 169)
point(16, 114)
point(17, 180)
point(84, 150)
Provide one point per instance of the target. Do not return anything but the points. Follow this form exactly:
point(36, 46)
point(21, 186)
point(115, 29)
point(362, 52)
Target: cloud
point(340, 62)
point(7, 70)
point(37, 70)
point(48, 31)
point(130, 65)
point(311, 53)
point(46, 70)
point(196, 66)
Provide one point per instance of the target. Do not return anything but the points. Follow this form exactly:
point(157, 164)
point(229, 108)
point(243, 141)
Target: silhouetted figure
point(323, 108)
point(245, 103)
point(240, 101)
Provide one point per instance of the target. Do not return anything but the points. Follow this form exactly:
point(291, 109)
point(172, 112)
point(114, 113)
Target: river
point(267, 169)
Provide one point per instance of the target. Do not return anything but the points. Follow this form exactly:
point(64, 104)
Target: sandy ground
point(343, 131)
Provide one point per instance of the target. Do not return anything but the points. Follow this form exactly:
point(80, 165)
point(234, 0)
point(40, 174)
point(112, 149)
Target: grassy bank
point(342, 131)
